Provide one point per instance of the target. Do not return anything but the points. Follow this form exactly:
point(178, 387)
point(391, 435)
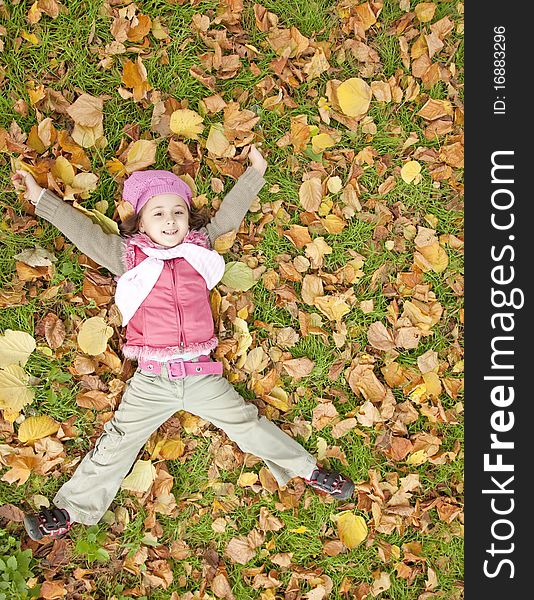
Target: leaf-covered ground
point(340, 315)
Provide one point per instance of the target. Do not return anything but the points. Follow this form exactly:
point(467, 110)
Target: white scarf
point(135, 285)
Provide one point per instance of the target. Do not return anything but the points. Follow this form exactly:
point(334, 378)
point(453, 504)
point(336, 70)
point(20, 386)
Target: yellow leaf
point(310, 194)
point(14, 390)
point(433, 253)
point(217, 142)
point(242, 334)
point(186, 123)
point(247, 479)
point(352, 529)
point(321, 142)
point(316, 251)
point(34, 141)
point(433, 383)
point(82, 184)
point(115, 166)
point(30, 37)
point(168, 449)
point(35, 428)
point(278, 398)
point(333, 224)
point(11, 415)
point(88, 136)
point(354, 96)
point(62, 169)
point(300, 529)
point(15, 347)
point(334, 184)
point(332, 306)
point(436, 256)
point(190, 423)
point(141, 477)
point(417, 458)
point(238, 276)
point(108, 225)
point(141, 155)
point(158, 31)
point(224, 242)
point(35, 93)
point(424, 11)
point(411, 172)
point(93, 336)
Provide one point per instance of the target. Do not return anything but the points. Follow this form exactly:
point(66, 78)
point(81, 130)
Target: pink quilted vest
point(175, 317)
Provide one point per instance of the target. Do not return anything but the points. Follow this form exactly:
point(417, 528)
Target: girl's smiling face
point(165, 219)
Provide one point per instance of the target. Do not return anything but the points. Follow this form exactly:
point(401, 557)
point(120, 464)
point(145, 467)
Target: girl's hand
point(256, 160)
point(24, 181)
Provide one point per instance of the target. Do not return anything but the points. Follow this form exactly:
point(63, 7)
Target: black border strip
point(497, 257)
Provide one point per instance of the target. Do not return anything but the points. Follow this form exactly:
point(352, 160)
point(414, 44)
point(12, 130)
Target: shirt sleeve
point(235, 204)
point(106, 249)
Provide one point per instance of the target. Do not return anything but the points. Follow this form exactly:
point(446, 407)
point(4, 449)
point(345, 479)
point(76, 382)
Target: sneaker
point(54, 523)
point(331, 482)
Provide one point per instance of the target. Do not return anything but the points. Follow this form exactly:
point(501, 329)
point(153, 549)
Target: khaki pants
point(147, 403)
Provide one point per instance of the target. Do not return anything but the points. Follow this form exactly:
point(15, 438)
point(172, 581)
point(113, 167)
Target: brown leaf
point(139, 31)
point(239, 551)
point(311, 194)
point(379, 337)
point(400, 448)
point(299, 235)
point(407, 337)
point(312, 288)
point(435, 109)
point(343, 427)
point(323, 415)
point(333, 548)
point(52, 590)
point(11, 513)
point(362, 380)
point(368, 414)
point(135, 77)
point(268, 522)
point(60, 553)
point(87, 110)
point(298, 367)
point(93, 399)
point(221, 587)
point(428, 361)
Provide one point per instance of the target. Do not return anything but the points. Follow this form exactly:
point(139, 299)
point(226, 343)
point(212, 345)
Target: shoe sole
point(32, 528)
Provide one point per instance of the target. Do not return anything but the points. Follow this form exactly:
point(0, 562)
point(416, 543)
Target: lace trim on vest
point(150, 353)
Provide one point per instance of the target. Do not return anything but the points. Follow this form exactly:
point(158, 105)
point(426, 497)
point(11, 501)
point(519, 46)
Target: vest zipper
point(179, 315)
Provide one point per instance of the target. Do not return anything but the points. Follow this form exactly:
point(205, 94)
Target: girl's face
point(165, 219)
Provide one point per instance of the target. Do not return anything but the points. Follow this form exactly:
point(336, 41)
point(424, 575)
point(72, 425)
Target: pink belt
point(178, 368)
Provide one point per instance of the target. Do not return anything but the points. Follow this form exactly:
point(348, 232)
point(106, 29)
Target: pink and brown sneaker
point(331, 482)
point(53, 523)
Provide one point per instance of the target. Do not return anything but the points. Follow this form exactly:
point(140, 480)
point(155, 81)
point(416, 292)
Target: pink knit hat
point(142, 185)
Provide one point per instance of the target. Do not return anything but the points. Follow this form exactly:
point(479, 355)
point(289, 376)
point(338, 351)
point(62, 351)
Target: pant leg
point(147, 403)
point(214, 399)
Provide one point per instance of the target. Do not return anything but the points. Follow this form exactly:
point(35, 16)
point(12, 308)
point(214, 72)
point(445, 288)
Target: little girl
point(166, 269)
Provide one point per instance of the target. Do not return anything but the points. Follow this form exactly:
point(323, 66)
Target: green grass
point(66, 62)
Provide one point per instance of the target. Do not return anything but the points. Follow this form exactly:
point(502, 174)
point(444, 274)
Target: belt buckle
point(181, 369)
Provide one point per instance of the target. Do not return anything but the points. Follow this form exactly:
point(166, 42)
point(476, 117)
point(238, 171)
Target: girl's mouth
point(172, 232)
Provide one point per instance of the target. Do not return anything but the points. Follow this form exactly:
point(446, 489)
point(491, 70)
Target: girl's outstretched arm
point(105, 249)
point(236, 203)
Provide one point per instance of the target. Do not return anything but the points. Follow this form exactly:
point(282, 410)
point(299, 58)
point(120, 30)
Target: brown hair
point(198, 218)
